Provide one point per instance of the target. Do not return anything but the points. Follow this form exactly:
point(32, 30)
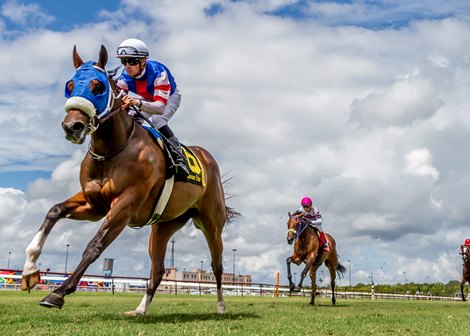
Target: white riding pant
point(316, 225)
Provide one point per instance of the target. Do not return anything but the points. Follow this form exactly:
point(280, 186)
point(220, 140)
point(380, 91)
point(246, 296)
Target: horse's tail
point(340, 270)
point(230, 212)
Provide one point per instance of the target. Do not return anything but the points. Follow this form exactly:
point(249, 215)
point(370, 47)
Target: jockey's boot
point(178, 156)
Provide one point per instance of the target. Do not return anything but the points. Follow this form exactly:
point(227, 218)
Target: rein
point(297, 233)
point(105, 115)
point(96, 120)
point(98, 157)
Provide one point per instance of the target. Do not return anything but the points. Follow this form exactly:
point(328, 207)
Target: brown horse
point(465, 252)
point(122, 178)
point(307, 250)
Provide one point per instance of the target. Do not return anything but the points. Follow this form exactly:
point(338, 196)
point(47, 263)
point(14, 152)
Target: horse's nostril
point(76, 127)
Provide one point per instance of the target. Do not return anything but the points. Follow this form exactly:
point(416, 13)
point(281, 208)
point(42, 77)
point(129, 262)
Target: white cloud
point(419, 162)
point(372, 123)
point(404, 102)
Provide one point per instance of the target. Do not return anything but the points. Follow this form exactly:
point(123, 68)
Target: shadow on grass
point(324, 305)
point(183, 317)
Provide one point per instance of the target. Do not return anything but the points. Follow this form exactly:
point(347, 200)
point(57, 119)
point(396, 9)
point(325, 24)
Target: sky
point(362, 105)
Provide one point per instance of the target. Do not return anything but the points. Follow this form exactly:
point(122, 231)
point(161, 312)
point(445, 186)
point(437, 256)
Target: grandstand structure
point(199, 275)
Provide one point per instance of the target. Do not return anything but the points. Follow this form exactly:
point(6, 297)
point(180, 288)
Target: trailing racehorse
point(124, 180)
point(465, 252)
point(307, 250)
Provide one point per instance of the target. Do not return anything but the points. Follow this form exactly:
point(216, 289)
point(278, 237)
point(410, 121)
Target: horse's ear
point(289, 214)
point(103, 57)
point(77, 60)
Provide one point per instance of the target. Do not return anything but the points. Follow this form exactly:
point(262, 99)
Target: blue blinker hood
point(82, 78)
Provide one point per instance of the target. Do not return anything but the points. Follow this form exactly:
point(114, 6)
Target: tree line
point(436, 289)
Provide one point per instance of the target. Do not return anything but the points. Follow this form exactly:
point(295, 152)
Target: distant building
point(198, 275)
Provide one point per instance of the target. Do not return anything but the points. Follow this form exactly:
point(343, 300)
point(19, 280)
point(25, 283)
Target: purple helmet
point(306, 201)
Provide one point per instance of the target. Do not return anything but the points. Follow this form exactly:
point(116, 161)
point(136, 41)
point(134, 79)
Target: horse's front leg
point(289, 275)
point(158, 242)
point(309, 260)
point(113, 224)
point(76, 207)
point(304, 274)
point(462, 283)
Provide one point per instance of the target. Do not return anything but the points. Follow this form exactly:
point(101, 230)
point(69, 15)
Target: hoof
point(133, 313)
point(53, 300)
point(220, 308)
point(30, 280)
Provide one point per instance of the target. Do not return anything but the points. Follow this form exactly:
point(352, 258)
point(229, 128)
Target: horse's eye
point(70, 85)
point(97, 87)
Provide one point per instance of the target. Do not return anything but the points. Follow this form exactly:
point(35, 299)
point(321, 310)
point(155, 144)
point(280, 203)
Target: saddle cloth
point(196, 171)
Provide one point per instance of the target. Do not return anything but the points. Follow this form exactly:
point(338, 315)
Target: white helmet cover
point(132, 48)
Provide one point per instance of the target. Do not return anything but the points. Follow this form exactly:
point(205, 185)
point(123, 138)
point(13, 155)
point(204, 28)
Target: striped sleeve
point(122, 85)
point(162, 88)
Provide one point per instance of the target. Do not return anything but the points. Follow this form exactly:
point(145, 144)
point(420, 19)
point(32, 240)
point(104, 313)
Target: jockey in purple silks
point(314, 219)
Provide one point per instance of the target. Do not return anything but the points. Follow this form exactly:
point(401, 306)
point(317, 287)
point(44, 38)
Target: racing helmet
point(132, 48)
point(306, 201)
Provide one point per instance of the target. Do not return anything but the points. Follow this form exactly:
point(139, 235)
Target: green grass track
point(102, 314)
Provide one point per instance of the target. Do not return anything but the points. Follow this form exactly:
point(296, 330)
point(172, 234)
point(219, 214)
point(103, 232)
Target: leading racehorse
point(123, 178)
point(307, 250)
point(465, 252)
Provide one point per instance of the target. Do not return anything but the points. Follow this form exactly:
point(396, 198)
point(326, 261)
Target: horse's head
point(292, 225)
point(90, 97)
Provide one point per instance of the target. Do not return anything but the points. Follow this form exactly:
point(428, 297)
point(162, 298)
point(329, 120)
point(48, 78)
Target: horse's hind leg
point(332, 270)
point(313, 277)
point(159, 237)
point(212, 230)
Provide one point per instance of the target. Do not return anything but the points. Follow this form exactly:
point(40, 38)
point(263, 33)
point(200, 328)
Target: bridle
point(301, 227)
point(109, 112)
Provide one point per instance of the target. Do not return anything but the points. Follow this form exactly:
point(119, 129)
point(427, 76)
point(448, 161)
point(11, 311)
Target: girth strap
point(161, 203)
point(163, 200)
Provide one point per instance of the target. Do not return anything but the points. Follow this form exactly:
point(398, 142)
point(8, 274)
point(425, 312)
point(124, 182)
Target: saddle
point(196, 172)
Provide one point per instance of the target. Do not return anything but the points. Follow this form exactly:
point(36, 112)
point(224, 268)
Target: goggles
point(130, 61)
point(130, 51)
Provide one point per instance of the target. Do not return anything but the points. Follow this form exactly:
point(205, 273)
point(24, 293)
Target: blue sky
point(361, 104)
point(376, 14)
point(58, 15)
